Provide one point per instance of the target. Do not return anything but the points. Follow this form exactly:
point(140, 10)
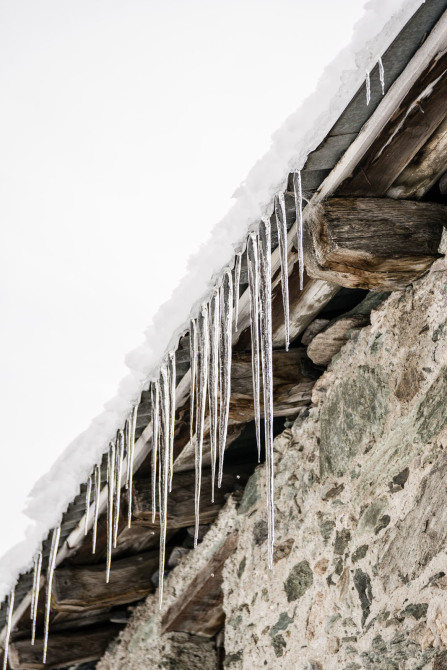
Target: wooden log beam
point(419, 114)
point(64, 649)
point(199, 610)
point(181, 512)
point(373, 243)
point(77, 589)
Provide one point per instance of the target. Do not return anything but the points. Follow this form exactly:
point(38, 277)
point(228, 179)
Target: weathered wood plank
point(77, 589)
point(417, 117)
point(425, 168)
point(329, 342)
point(304, 305)
point(374, 243)
point(199, 608)
point(292, 384)
point(293, 381)
point(181, 511)
point(64, 649)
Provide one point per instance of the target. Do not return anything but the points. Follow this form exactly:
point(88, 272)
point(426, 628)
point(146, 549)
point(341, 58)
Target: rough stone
point(279, 644)
point(353, 415)
point(359, 553)
point(359, 580)
point(299, 580)
point(342, 539)
point(260, 532)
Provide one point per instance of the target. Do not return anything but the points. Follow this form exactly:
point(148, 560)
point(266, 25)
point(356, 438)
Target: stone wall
point(360, 564)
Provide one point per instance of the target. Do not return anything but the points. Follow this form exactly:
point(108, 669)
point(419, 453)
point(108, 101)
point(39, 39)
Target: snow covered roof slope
point(315, 133)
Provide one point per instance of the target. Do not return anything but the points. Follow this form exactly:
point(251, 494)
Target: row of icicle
point(211, 336)
point(210, 344)
point(210, 354)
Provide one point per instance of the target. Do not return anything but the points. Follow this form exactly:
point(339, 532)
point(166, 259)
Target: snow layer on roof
point(301, 133)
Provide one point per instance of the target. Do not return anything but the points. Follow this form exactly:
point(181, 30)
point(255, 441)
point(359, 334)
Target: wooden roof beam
point(373, 243)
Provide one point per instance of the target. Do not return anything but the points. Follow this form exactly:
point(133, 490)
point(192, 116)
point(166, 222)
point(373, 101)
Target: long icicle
point(281, 224)
point(132, 425)
point(213, 381)
point(202, 379)
point(126, 433)
point(155, 411)
point(172, 380)
point(253, 285)
point(97, 475)
point(368, 87)
point(267, 370)
point(298, 192)
point(50, 574)
point(193, 363)
point(226, 322)
point(8, 627)
point(110, 498)
point(88, 495)
point(119, 457)
point(237, 281)
point(382, 75)
point(35, 596)
point(163, 472)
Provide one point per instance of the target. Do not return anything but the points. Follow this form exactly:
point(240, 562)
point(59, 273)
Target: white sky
point(125, 127)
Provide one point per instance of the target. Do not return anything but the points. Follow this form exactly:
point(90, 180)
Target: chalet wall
point(360, 574)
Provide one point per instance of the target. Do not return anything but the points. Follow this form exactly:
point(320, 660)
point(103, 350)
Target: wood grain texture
point(373, 243)
point(326, 344)
point(181, 499)
point(84, 588)
point(292, 384)
point(424, 169)
point(413, 122)
point(64, 649)
point(199, 610)
point(293, 381)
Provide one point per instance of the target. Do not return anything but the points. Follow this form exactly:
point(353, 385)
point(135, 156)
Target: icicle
point(88, 494)
point(267, 369)
point(368, 88)
point(226, 308)
point(253, 286)
point(97, 474)
point(281, 224)
point(8, 627)
point(297, 188)
point(126, 447)
point(155, 410)
point(132, 425)
point(35, 596)
point(213, 380)
point(163, 471)
point(119, 457)
point(50, 573)
point(381, 75)
point(202, 378)
point(172, 380)
point(237, 281)
point(110, 498)
point(193, 362)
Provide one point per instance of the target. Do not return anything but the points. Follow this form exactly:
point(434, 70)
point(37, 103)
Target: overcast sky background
point(125, 127)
